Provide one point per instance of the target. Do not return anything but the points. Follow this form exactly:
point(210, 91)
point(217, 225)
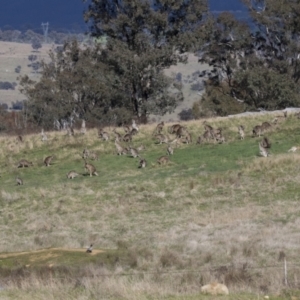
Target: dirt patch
point(48, 253)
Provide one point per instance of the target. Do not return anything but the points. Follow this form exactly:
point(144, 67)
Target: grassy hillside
point(216, 212)
point(13, 55)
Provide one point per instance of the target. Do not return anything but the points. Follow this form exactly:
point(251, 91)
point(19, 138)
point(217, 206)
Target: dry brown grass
point(187, 219)
point(13, 55)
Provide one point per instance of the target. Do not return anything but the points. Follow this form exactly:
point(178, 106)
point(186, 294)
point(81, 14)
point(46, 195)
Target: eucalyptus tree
point(255, 65)
point(74, 84)
point(144, 38)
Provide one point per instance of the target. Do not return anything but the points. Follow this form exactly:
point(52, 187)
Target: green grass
point(202, 209)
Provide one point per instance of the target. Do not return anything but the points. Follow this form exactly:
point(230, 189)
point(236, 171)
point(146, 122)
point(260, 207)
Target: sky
point(68, 14)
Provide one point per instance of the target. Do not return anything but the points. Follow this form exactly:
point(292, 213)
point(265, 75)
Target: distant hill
point(16, 55)
point(14, 63)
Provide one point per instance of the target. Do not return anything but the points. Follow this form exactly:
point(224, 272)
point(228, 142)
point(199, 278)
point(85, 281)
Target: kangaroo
point(216, 132)
point(85, 153)
point(24, 163)
point(127, 137)
point(207, 135)
point(161, 138)
point(181, 132)
point(103, 135)
point(20, 138)
point(279, 118)
point(170, 150)
point(219, 138)
point(284, 116)
point(127, 128)
point(293, 149)
point(159, 127)
point(134, 153)
point(241, 130)
point(257, 130)
point(187, 138)
point(94, 156)
point(264, 145)
point(19, 181)
point(47, 160)
point(120, 149)
point(89, 249)
point(90, 169)
point(44, 136)
point(134, 131)
point(207, 126)
point(141, 148)
point(72, 174)
point(83, 127)
point(143, 163)
point(174, 128)
point(70, 131)
point(163, 160)
point(200, 140)
point(134, 126)
point(265, 126)
point(118, 135)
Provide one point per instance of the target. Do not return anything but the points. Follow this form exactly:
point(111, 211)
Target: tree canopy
point(122, 76)
point(144, 38)
point(255, 65)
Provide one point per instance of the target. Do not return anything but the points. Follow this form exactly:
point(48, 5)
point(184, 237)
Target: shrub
point(36, 44)
point(179, 77)
point(32, 57)
point(5, 85)
point(17, 105)
point(18, 69)
point(186, 115)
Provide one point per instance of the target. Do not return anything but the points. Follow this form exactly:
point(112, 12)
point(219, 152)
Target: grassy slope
point(213, 205)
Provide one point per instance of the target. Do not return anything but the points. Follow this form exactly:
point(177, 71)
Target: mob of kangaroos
point(162, 135)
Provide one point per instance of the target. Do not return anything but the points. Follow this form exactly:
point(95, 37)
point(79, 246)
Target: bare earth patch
point(48, 253)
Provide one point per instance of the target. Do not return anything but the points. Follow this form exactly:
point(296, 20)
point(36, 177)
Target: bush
point(18, 69)
point(5, 85)
point(36, 44)
point(17, 105)
point(32, 57)
point(178, 77)
point(186, 115)
point(35, 66)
